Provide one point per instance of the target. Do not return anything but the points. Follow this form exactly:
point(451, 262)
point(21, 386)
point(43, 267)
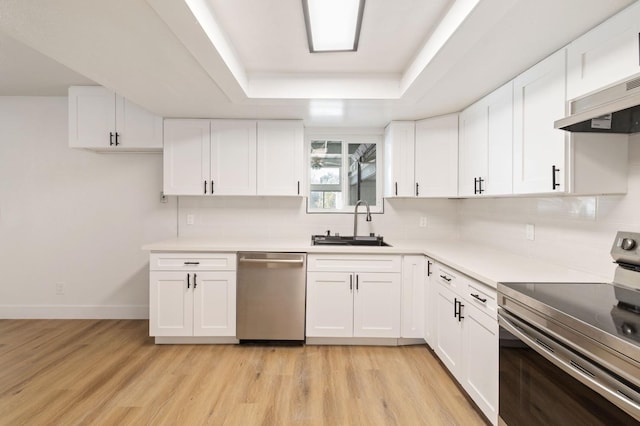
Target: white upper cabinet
point(607, 54)
point(233, 157)
point(100, 120)
point(539, 148)
point(186, 157)
point(436, 157)
point(486, 145)
point(399, 154)
point(280, 157)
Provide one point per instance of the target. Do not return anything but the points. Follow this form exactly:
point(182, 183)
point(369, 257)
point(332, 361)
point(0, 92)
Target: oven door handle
point(601, 381)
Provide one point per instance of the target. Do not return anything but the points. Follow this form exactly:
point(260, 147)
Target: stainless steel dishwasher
point(271, 296)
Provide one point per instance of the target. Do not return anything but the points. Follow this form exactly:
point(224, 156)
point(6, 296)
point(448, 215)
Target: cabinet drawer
point(482, 297)
point(450, 278)
point(192, 262)
point(354, 263)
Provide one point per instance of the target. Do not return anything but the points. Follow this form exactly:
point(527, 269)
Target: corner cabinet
point(101, 120)
point(192, 295)
point(413, 290)
point(353, 296)
point(422, 158)
point(606, 55)
point(233, 157)
point(466, 335)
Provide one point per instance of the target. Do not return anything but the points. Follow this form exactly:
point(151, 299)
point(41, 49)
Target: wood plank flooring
point(109, 372)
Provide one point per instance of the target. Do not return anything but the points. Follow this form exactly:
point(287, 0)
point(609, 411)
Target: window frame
point(346, 136)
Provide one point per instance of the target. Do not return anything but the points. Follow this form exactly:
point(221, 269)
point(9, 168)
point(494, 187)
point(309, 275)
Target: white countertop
point(484, 264)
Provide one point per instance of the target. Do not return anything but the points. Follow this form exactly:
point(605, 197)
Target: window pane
point(325, 200)
point(362, 173)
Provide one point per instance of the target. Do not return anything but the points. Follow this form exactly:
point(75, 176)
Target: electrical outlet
point(59, 288)
point(190, 219)
point(530, 231)
point(423, 222)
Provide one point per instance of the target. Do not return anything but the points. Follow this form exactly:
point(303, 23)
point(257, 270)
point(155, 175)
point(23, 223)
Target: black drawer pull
point(477, 297)
point(194, 281)
point(188, 280)
point(191, 263)
point(554, 184)
point(444, 277)
point(110, 138)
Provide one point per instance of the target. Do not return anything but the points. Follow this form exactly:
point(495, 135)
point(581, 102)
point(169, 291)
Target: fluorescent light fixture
point(333, 25)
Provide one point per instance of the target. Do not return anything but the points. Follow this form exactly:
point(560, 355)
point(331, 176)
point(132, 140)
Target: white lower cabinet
point(362, 302)
point(413, 288)
point(466, 336)
point(192, 295)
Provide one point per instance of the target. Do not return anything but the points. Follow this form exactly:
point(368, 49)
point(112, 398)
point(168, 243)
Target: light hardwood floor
point(67, 372)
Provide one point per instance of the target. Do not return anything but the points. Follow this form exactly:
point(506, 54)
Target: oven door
point(542, 382)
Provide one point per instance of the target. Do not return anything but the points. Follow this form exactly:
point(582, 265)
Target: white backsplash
point(571, 231)
point(267, 217)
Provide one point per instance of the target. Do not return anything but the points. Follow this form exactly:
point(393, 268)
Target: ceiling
point(250, 59)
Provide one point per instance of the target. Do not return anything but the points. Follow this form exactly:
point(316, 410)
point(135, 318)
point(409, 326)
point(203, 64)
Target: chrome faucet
point(355, 216)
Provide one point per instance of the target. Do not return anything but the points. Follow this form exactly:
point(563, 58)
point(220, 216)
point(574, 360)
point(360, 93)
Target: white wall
point(576, 232)
point(73, 217)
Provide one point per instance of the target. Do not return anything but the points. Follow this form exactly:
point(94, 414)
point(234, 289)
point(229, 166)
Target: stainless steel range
point(570, 352)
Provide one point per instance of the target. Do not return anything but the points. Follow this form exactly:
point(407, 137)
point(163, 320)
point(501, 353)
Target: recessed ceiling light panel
point(333, 25)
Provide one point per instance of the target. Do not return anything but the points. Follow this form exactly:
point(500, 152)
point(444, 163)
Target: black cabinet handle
point(455, 307)
point(477, 297)
point(444, 277)
point(554, 184)
point(191, 263)
point(110, 138)
point(480, 190)
point(194, 281)
point(205, 186)
point(212, 186)
point(357, 283)
point(475, 186)
point(350, 282)
point(188, 280)
point(460, 306)
point(428, 268)
point(117, 135)
point(298, 187)
point(396, 188)
point(417, 189)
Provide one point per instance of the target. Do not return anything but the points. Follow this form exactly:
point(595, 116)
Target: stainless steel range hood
point(612, 110)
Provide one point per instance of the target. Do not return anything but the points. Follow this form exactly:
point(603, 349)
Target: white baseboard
point(74, 311)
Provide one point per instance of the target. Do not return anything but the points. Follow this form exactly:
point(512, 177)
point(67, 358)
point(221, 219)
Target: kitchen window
point(343, 170)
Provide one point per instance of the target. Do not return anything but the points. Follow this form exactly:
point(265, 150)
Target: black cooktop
point(613, 309)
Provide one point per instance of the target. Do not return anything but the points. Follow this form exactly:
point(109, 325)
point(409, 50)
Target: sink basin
point(338, 240)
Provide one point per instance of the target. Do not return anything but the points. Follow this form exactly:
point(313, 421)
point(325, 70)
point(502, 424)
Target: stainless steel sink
point(339, 240)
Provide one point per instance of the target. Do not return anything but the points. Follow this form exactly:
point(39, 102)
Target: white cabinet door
point(92, 117)
point(538, 148)
point(436, 156)
point(473, 146)
point(280, 157)
point(330, 304)
point(429, 303)
point(137, 127)
point(499, 178)
point(448, 330)
point(214, 303)
point(480, 348)
point(233, 157)
point(376, 306)
point(413, 289)
point(399, 140)
point(605, 55)
point(170, 304)
point(186, 157)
